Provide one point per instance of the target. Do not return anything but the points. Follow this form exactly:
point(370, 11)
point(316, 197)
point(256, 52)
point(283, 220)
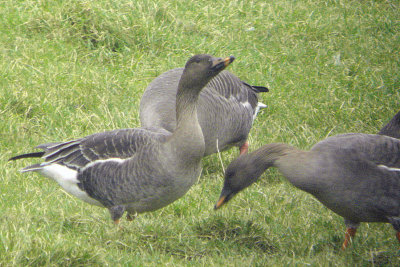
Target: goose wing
point(79, 153)
point(117, 144)
point(233, 89)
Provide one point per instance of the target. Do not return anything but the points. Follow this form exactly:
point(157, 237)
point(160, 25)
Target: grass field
point(73, 68)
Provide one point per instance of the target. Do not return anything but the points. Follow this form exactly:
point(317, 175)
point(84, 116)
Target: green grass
point(72, 68)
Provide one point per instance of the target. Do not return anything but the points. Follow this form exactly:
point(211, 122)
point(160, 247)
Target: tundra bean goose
point(392, 128)
point(355, 175)
point(135, 170)
point(226, 108)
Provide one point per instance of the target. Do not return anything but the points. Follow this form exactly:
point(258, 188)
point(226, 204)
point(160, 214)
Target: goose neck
point(187, 140)
point(268, 155)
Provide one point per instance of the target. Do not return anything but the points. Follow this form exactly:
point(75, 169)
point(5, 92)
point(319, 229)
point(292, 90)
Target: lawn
point(73, 68)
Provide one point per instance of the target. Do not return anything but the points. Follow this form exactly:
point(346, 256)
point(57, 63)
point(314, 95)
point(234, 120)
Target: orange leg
point(244, 148)
point(398, 236)
point(350, 233)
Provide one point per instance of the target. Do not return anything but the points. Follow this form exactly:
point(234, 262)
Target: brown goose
point(226, 108)
point(135, 170)
point(392, 128)
point(355, 175)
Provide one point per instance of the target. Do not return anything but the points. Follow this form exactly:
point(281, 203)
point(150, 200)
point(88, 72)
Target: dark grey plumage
point(226, 108)
point(355, 175)
point(392, 128)
point(135, 170)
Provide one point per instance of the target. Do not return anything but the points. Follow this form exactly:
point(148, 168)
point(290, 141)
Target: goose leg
point(351, 229)
point(348, 236)
point(244, 148)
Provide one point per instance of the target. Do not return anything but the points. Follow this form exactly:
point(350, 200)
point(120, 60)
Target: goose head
point(200, 69)
point(240, 174)
point(247, 168)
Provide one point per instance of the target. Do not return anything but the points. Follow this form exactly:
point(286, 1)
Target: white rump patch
point(389, 169)
point(67, 179)
point(261, 105)
point(258, 107)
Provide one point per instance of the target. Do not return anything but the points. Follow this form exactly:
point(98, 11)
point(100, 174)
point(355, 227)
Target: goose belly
point(165, 194)
point(355, 210)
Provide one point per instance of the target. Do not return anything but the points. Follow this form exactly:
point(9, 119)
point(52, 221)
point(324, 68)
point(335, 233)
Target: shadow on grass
point(236, 233)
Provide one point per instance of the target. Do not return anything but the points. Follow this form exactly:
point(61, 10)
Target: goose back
point(226, 108)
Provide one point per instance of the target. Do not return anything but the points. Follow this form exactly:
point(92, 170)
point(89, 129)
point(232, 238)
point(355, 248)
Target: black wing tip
point(28, 155)
point(260, 89)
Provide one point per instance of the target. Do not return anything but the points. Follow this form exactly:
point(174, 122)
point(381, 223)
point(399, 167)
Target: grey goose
point(355, 175)
point(392, 128)
point(226, 108)
point(135, 170)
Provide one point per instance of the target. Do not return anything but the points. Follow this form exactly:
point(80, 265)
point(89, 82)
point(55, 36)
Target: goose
point(135, 170)
point(226, 109)
point(392, 128)
point(355, 175)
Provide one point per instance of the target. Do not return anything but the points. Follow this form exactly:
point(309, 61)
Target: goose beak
point(221, 63)
point(220, 202)
point(224, 198)
point(228, 60)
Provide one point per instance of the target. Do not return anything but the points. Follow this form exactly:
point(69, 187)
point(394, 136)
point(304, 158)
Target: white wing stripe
point(99, 161)
point(388, 168)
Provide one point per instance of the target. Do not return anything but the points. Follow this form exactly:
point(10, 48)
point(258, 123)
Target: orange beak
point(228, 60)
point(220, 202)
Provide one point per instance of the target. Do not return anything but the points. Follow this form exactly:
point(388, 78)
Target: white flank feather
point(246, 104)
point(67, 179)
point(118, 160)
